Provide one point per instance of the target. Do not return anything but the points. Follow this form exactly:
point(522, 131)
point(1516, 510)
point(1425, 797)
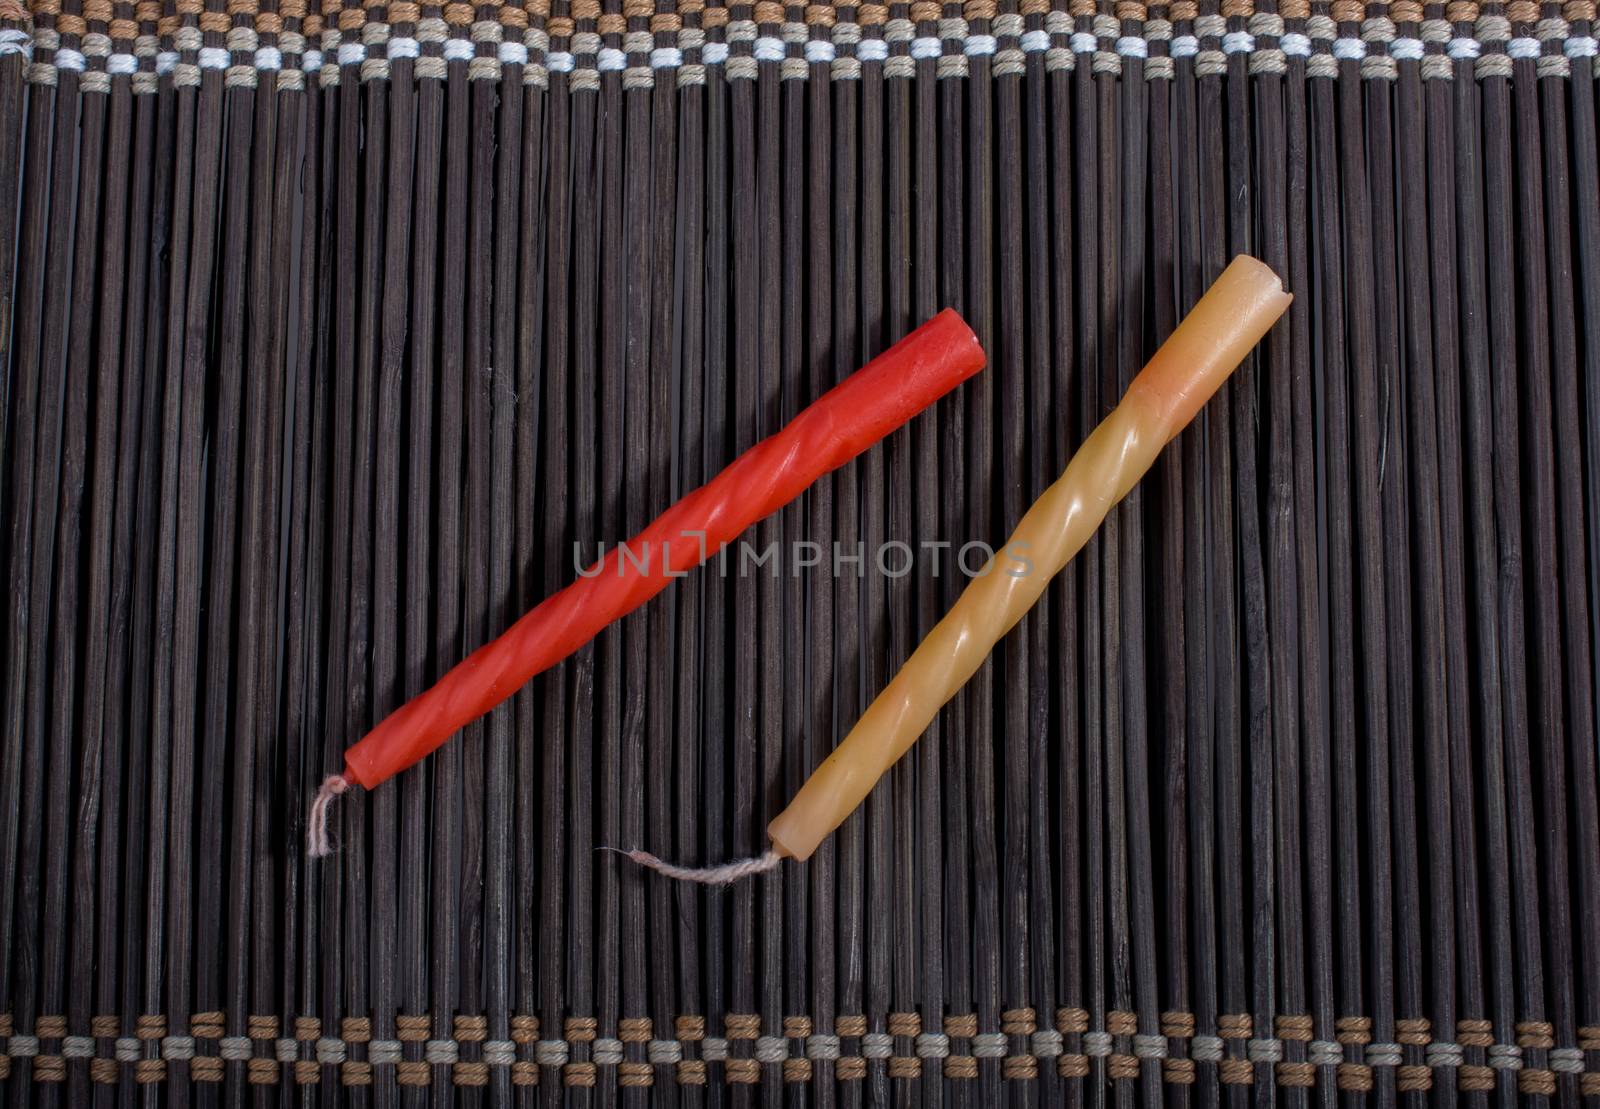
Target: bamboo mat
point(333, 340)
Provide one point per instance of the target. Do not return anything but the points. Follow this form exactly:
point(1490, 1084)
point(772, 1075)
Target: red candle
point(843, 422)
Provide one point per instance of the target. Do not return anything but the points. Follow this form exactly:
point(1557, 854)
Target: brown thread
point(261, 1072)
point(102, 1027)
point(796, 1028)
point(1178, 1072)
point(1578, 11)
point(979, 9)
point(742, 1026)
point(1589, 1037)
point(151, 1027)
point(580, 1030)
point(308, 1072)
point(410, 1029)
point(1348, 11)
point(1034, 7)
point(524, 1073)
point(1535, 1033)
point(872, 15)
point(49, 1068)
point(905, 1024)
point(691, 1072)
point(470, 1073)
point(1237, 1072)
point(1068, 1021)
point(634, 1030)
point(1120, 1022)
point(666, 23)
point(905, 1066)
point(925, 11)
point(743, 1072)
point(1416, 1031)
point(205, 1068)
point(1296, 1028)
point(1072, 1066)
point(1461, 11)
point(797, 1070)
point(1122, 1067)
point(410, 1072)
point(1235, 1026)
point(559, 27)
point(961, 1066)
point(1414, 1079)
point(852, 1068)
point(1295, 9)
point(1406, 11)
point(578, 1074)
point(1018, 1022)
point(1238, 9)
point(1354, 1077)
point(524, 1029)
point(633, 1073)
point(50, 1028)
point(1474, 1079)
point(1131, 11)
point(1538, 1082)
point(1183, 11)
point(1589, 1085)
point(1522, 11)
point(690, 1029)
point(475, 1029)
point(147, 1072)
point(70, 24)
point(355, 1072)
point(961, 1025)
point(1474, 1033)
point(1019, 1067)
point(1177, 1024)
point(356, 1030)
point(1297, 1074)
point(103, 1071)
point(611, 23)
point(854, 1025)
point(1353, 1030)
point(714, 16)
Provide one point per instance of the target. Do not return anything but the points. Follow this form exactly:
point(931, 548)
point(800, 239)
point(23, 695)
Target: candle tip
point(317, 843)
point(723, 875)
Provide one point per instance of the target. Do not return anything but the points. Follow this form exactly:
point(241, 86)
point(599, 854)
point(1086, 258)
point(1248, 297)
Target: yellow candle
point(1190, 366)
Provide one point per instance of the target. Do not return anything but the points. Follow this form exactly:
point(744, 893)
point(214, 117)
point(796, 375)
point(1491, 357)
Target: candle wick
point(317, 843)
point(723, 875)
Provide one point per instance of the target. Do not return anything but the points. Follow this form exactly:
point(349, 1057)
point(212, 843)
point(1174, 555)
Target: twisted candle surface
point(1212, 340)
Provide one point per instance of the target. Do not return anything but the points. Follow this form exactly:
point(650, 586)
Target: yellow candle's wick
point(1191, 365)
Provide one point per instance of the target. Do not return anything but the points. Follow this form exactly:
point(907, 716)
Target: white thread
point(1238, 42)
point(1442, 1053)
point(1035, 42)
point(933, 1045)
point(1324, 1053)
point(458, 50)
point(437, 1052)
point(497, 1053)
point(69, 59)
point(877, 1045)
point(610, 59)
point(213, 57)
point(1295, 44)
point(1146, 1046)
point(1264, 1050)
point(713, 1049)
point(822, 1046)
point(844, 34)
point(1097, 1044)
point(980, 45)
point(127, 1050)
point(82, 1047)
point(177, 1048)
point(1183, 46)
point(666, 57)
point(664, 1052)
point(1566, 1060)
point(550, 1053)
point(953, 28)
point(925, 48)
point(512, 53)
point(1464, 49)
point(715, 53)
point(1348, 49)
point(386, 1051)
point(818, 52)
point(1010, 62)
point(845, 69)
point(1581, 46)
point(772, 1049)
point(1107, 27)
point(722, 875)
point(1083, 42)
point(989, 1045)
point(1505, 1057)
point(1322, 27)
point(330, 1051)
point(1210, 26)
point(1205, 1049)
point(234, 1047)
point(872, 50)
point(288, 1050)
point(1383, 1055)
point(768, 49)
point(740, 30)
point(120, 64)
point(96, 45)
point(559, 61)
point(899, 30)
point(607, 1052)
point(1131, 46)
point(1406, 49)
point(15, 42)
point(1048, 1043)
point(317, 842)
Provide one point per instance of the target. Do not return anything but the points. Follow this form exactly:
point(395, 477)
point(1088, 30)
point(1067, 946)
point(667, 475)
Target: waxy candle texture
point(1211, 341)
point(841, 424)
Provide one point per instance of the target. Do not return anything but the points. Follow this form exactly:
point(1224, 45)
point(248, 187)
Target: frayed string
point(317, 844)
point(723, 875)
